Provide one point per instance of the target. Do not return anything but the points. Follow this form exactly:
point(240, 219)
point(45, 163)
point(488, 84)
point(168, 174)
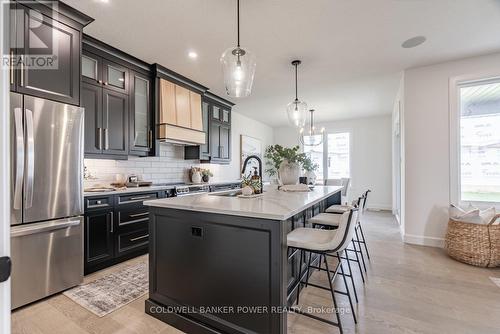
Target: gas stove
point(191, 189)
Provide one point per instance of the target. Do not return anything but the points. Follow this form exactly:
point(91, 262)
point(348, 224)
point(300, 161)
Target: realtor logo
point(33, 40)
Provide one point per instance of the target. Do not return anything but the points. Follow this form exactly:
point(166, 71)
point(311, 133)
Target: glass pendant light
point(296, 110)
point(311, 137)
point(238, 66)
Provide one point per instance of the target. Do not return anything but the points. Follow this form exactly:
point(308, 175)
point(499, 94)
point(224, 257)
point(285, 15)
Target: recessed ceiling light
point(192, 55)
point(102, 1)
point(413, 42)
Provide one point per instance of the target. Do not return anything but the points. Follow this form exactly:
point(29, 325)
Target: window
point(479, 153)
point(316, 155)
point(338, 155)
point(332, 156)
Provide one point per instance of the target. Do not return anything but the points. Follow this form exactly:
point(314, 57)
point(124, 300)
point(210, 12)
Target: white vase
point(311, 177)
point(247, 191)
point(289, 172)
point(196, 177)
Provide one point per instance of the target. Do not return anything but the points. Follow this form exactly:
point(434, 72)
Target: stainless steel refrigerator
point(46, 197)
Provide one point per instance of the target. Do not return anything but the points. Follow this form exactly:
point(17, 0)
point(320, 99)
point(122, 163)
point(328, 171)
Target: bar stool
point(324, 242)
point(338, 209)
point(327, 220)
point(363, 240)
point(330, 219)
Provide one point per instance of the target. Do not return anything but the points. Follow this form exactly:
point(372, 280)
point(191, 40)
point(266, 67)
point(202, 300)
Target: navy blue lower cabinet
point(215, 273)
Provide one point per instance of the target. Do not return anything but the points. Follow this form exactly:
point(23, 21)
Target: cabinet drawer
point(132, 216)
point(98, 202)
point(136, 198)
point(132, 240)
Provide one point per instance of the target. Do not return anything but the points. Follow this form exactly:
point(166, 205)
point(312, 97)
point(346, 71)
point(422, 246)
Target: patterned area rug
point(113, 291)
point(496, 280)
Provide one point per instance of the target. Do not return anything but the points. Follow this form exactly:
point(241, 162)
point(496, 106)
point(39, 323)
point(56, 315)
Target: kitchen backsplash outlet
point(169, 167)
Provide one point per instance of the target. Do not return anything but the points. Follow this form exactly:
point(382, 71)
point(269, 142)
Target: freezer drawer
point(46, 258)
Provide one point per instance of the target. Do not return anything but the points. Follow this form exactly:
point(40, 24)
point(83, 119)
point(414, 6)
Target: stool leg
point(308, 267)
point(351, 274)
point(360, 249)
point(333, 296)
point(347, 288)
point(358, 260)
point(364, 241)
point(300, 277)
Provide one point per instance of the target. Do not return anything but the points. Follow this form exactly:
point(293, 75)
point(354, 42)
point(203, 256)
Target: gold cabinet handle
point(12, 67)
point(106, 139)
point(139, 238)
point(22, 70)
point(139, 214)
point(150, 139)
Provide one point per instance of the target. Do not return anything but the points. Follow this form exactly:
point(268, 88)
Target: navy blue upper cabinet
point(123, 124)
point(216, 113)
point(47, 51)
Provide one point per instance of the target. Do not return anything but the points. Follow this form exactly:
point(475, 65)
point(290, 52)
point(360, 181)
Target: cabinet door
point(205, 148)
point(216, 113)
point(14, 15)
point(99, 244)
point(167, 103)
point(141, 135)
point(52, 55)
point(182, 106)
point(115, 122)
point(225, 142)
point(91, 68)
point(226, 116)
point(214, 140)
point(114, 76)
point(92, 102)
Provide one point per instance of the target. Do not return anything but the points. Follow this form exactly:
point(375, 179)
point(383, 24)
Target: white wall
point(427, 148)
point(371, 151)
point(170, 166)
point(242, 125)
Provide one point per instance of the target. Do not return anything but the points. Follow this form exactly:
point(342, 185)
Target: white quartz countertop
point(275, 204)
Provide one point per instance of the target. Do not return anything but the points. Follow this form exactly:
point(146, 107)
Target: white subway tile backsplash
point(169, 167)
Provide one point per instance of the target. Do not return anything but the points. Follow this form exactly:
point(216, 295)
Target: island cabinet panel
point(230, 262)
point(218, 261)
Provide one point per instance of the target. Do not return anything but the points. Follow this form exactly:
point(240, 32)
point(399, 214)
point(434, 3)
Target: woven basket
point(474, 244)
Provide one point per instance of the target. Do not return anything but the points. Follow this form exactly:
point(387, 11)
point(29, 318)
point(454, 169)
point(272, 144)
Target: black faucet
point(260, 169)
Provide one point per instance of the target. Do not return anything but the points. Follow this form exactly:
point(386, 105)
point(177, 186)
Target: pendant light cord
point(238, 20)
point(296, 89)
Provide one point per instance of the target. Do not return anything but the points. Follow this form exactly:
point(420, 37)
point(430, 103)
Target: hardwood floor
point(409, 289)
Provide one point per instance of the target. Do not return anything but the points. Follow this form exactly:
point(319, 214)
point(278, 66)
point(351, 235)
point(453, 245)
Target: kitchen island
point(219, 263)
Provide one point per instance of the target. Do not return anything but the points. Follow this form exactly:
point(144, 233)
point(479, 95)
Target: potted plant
point(309, 167)
point(247, 188)
point(286, 163)
point(206, 174)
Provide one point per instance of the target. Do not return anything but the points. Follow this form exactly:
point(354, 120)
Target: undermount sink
point(228, 194)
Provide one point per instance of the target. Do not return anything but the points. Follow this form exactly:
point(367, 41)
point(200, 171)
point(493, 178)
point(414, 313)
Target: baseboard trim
point(377, 207)
point(423, 240)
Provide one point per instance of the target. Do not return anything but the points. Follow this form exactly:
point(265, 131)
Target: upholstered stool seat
point(338, 208)
point(311, 239)
point(326, 219)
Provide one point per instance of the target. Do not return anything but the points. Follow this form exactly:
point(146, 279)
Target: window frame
point(455, 140)
point(325, 151)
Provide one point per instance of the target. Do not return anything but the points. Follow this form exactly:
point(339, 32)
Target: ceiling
point(350, 49)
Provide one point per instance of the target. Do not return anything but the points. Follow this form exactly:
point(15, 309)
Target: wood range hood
point(179, 115)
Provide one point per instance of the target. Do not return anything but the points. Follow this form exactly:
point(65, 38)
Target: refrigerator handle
point(30, 158)
point(20, 231)
point(19, 168)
